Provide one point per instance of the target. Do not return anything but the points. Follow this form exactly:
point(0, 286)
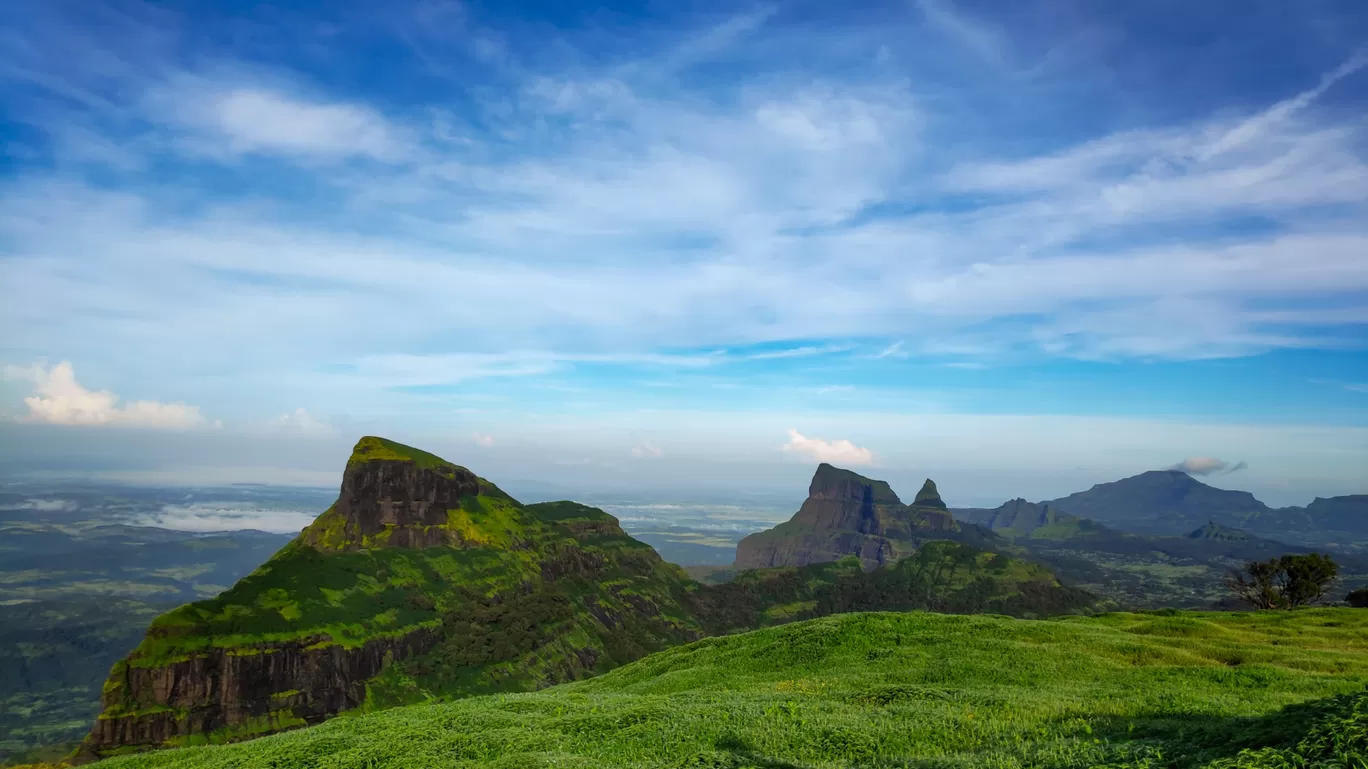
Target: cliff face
point(847, 514)
point(239, 693)
point(421, 580)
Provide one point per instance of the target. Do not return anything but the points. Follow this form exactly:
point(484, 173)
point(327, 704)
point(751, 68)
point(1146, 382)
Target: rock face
point(394, 503)
point(847, 514)
point(422, 580)
point(239, 693)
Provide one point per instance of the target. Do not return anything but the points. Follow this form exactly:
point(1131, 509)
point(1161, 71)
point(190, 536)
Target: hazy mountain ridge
point(1161, 561)
point(1171, 502)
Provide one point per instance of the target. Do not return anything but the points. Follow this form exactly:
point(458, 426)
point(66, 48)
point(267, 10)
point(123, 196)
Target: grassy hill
point(1164, 689)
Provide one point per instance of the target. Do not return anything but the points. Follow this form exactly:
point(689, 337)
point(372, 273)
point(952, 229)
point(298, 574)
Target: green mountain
point(421, 580)
point(846, 514)
point(1124, 691)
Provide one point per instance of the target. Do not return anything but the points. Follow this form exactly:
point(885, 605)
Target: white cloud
point(1207, 466)
point(61, 400)
point(646, 450)
point(247, 118)
point(482, 439)
point(839, 452)
point(302, 422)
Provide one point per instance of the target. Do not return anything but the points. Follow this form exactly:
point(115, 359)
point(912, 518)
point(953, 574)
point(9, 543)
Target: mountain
point(848, 514)
point(1171, 502)
point(421, 580)
point(1159, 502)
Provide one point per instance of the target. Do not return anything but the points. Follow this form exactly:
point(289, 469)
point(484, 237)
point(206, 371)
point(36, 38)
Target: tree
point(1284, 583)
point(1305, 578)
point(1358, 598)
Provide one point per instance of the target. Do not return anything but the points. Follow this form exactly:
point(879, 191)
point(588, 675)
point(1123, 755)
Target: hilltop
point(1120, 690)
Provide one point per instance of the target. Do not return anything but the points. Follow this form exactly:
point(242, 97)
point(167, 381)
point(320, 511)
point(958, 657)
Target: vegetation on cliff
point(1140, 691)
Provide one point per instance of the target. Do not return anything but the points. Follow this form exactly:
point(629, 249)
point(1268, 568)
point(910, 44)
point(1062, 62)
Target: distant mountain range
point(1173, 503)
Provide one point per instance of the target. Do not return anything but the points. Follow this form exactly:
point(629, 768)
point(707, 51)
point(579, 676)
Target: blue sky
point(1024, 246)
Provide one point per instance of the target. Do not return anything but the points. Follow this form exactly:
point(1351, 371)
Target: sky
point(1020, 248)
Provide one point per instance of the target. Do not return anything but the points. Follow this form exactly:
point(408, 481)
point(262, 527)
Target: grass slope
point(900, 690)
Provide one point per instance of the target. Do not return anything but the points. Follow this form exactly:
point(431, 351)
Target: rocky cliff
point(422, 580)
point(847, 514)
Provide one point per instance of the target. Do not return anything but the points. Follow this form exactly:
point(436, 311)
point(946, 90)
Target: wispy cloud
point(745, 190)
point(894, 350)
point(242, 119)
point(483, 440)
point(982, 39)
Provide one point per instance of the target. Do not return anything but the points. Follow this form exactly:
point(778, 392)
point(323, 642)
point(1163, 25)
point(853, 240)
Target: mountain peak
point(928, 496)
point(397, 496)
point(834, 482)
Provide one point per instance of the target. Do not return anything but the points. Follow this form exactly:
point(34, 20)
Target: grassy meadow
point(1148, 690)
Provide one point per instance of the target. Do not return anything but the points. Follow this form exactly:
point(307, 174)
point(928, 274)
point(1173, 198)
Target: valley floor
point(920, 690)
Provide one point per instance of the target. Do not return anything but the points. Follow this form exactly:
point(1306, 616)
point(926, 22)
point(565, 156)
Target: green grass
point(1164, 689)
point(371, 448)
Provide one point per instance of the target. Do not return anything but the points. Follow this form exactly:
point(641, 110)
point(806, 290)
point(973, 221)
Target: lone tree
point(1284, 583)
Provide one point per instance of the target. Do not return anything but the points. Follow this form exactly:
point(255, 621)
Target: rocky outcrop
point(239, 692)
point(848, 514)
point(394, 502)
